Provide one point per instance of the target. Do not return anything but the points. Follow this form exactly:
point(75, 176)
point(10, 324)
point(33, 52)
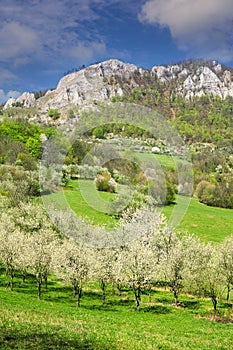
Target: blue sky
point(40, 40)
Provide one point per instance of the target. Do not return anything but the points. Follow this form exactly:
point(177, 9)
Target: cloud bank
point(45, 29)
point(48, 35)
point(199, 27)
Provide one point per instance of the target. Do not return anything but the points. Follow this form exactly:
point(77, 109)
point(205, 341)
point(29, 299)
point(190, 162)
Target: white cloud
point(47, 33)
point(47, 29)
point(16, 40)
point(200, 27)
point(44, 29)
point(4, 96)
point(6, 75)
point(86, 50)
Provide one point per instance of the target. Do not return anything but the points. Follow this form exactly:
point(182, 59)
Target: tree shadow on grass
point(112, 303)
point(191, 304)
point(165, 300)
point(121, 302)
point(99, 307)
point(116, 305)
point(36, 340)
point(157, 309)
point(52, 288)
point(92, 295)
point(225, 305)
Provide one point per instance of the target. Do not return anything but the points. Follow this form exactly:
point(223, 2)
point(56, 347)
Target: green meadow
point(209, 223)
point(83, 202)
point(164, 160)
point(56, 323)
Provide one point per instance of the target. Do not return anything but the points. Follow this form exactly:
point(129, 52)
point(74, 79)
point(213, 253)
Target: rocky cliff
point(197, 78)
point(103, 81)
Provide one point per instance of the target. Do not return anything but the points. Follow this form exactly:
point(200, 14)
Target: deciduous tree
point(70, 262)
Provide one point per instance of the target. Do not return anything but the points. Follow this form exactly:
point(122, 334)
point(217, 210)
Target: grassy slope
point(82, 206)
point(56, 323)
point(165, 160)
point(208, 223)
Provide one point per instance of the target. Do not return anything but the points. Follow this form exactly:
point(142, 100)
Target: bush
point(205, 192)
point(98, 133)
point(104, 182)
point(27, 161)
point(218, 195)
point(54, 114)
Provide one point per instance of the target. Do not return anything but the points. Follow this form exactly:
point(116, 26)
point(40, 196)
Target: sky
point(40, 40)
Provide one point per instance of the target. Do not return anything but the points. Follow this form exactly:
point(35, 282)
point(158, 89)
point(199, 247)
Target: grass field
point(164, 160)
point(83, 206)
point(56, 323)
point(209, 223)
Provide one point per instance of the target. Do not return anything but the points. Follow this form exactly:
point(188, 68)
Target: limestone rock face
point(189, 84)
point(205, 81)
point(102, 81)
point(9, 103)
point(85, 87)
point(227, 78)
point(25, 100)
point(196, 79)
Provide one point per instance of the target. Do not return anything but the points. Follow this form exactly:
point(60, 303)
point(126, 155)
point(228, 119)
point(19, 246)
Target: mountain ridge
point(109, 80)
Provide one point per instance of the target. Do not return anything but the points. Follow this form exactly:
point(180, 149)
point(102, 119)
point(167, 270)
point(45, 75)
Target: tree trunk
point(149, 294)
point(228, 291)
point(77, 291)
point(10, 283)
point(102, 284)
point(39, 283)
point(138, 303)
point(119, 287)
point(11, 279)
point(137, 293)
point(75, 285)
point(46, 281)
point(214, 301)
point(175, 294)
point(79, 295)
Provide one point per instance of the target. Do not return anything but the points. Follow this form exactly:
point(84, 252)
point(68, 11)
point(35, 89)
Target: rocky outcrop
point(89, 85)
point(9, 103)
point(102, 81)
point(204, 81)
point(197, 79)
point(25, 100)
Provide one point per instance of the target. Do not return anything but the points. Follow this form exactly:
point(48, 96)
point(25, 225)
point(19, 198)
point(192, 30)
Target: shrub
point(104, 182)
point(27, 161)
point(98, 133)
point(54, 114)
point(205, 192)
